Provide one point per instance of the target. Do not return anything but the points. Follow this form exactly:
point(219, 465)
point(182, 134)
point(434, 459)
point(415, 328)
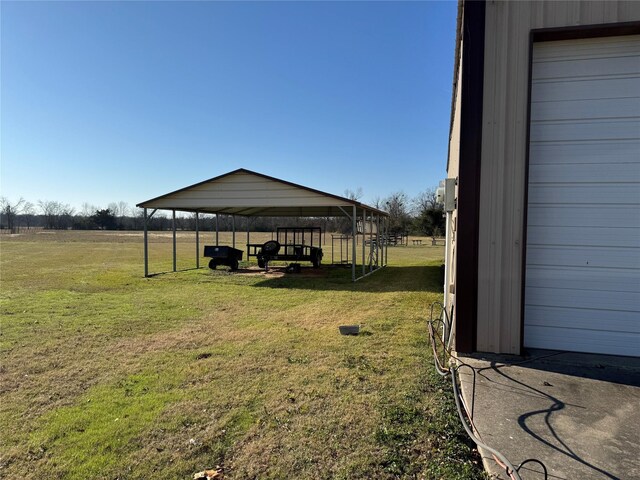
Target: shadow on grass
point(389, 279)
point(156, 274)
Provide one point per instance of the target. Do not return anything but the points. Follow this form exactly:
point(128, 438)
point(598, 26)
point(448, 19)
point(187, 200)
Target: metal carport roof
point(246, 193)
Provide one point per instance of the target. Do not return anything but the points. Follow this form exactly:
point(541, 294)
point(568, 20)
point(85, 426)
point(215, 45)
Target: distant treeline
point(418, 216)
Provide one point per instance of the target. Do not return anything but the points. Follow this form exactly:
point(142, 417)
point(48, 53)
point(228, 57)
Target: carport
point(243, 193)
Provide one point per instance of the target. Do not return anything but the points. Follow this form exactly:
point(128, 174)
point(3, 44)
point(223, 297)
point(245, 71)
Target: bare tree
point(159, 221)
point(353, 194)
point(189, 222)
point(50, 211)
point(86, 210)
point(114, 209)
point(56, 214)
point(137, 218)
point(429, 215)
point(397, 206)
point(28, 211)
point(65, 220)
point(343, 225)
point(123, 210)
point(425, 201)
point(11, 211)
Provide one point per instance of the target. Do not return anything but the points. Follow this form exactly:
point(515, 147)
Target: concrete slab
point(577, 413)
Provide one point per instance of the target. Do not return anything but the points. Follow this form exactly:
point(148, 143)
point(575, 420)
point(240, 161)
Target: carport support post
point(370, 241)
point(173, 226)
point(353, 245)
point(197, 242)
point(146, 246)
point(248, 225)
point(217, 230)
point(364, 237)
point(386, 248)
point(385, 241)
point(233, 233)
point(377, 240)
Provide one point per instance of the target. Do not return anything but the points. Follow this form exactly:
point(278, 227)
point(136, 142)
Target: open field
point(106, 374)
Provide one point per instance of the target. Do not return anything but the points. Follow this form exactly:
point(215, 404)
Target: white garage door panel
point(576, 194)
point(594, 341)
point(603, 320)
point(584, 278)
point(583, 299)
point(584, 236)
point(584, 152)
point(586, 109)
point(553, 131)
point(614, 172)
point(608, 88)
point(575, 68)
point(582, 285)
point(584, 256)
point(583, 216)
point(610, 47)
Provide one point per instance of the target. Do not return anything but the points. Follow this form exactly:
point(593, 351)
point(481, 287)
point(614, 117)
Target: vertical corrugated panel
point(500, 237)
point(504, 151)
point(452, 172)
point(454, 141)
point(492, 186)
point(485, 336)
point(628, 9)
point(515, 195)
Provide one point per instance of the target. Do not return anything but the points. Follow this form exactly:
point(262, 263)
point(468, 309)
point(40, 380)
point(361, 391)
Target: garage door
point(582, 285)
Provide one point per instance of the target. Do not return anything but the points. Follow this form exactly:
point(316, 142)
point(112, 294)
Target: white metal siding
point(582, 290)
point(504, 147)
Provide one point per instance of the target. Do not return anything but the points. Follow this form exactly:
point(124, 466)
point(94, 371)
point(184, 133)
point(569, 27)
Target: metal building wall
point(504, 146)
point(452, 172)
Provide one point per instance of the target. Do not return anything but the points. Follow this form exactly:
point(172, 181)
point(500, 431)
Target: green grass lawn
point(106, 374)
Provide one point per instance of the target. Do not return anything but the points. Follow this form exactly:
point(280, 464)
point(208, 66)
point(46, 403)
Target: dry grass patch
point(105, 374)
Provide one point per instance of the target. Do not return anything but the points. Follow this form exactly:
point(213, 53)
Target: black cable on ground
point(533, 460)
point(446, 366)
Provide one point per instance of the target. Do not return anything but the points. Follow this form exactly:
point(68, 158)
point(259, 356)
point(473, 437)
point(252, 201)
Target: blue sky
point(115, 101)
